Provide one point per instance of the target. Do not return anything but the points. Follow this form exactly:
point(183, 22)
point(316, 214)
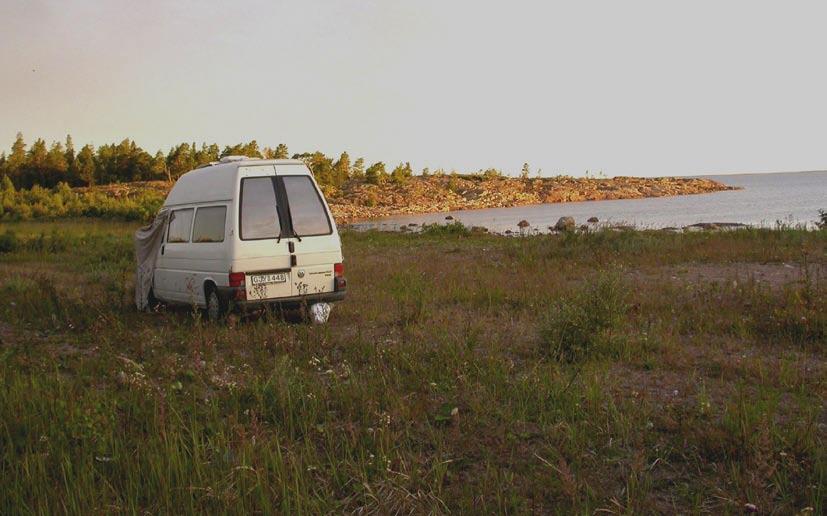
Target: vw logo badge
point(301, 273)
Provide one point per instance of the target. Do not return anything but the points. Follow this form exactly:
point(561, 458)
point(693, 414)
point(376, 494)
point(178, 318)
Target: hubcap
point(212, 309)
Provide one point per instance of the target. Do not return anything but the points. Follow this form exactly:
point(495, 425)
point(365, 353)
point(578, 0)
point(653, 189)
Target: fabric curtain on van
point(148, 241)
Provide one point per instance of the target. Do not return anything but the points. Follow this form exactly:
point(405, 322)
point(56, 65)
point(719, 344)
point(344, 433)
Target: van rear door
point(316, 243)
point(262, 251)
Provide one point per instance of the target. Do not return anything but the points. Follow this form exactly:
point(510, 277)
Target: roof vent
point(230, 159)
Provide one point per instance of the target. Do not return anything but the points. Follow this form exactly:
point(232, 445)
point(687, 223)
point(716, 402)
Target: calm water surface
point(792, 197)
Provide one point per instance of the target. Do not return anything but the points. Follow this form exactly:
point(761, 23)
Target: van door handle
point(162, 249)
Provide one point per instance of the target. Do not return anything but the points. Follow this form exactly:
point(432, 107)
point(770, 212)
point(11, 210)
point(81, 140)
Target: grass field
point(620, 372)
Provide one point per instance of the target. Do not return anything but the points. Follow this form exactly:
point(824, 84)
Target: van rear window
point(209, 224)
point(307, 212)
point(180, 222)
point(259, 218)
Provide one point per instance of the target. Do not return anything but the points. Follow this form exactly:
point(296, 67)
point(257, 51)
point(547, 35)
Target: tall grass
point(587, 321)
point(464, 373)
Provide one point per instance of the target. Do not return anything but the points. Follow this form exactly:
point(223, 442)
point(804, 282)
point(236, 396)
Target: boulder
point(449, 217)
point(565, 224)
point(593, 220)
point(523, 224)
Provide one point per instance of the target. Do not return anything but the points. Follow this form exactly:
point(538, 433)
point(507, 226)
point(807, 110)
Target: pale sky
point(629, 88)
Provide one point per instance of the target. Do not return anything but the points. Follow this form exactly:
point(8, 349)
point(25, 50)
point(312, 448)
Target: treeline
point(49, 165)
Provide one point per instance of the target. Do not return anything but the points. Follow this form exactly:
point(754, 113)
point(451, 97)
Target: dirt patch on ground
point(774, 275)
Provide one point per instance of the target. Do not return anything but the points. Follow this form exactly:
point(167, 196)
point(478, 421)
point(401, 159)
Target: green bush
point(8, 242)
point(62, 201)
point(455, 228)
point(579, 324)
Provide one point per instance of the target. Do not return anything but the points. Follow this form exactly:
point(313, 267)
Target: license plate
point(267, 279)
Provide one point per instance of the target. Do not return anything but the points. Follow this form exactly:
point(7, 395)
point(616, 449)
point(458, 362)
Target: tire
point(216, 308)
point(152, 302)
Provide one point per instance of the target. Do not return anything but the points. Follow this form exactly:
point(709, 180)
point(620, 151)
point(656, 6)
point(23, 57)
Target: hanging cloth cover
point(148, 241)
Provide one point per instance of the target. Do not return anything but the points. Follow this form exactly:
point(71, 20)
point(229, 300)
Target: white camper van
point(248, 231)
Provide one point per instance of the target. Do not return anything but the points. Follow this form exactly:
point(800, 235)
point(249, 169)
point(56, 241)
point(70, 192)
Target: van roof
point(217, 182)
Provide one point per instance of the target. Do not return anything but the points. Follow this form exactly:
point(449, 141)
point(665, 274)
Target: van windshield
point(307, 213)
point(259, 218)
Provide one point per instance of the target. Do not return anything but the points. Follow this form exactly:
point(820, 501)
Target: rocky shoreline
point(359, 201)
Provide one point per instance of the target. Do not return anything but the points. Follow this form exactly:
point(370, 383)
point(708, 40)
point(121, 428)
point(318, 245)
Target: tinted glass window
point(306, 209)
point(180, 222)
point(209, 224)
point(259, 218)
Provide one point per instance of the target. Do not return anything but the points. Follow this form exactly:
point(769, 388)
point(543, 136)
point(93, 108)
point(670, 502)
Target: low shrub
point(580, 324)
point(62, 202)
point(797, 314)
point(8, 242)
point(455, 228)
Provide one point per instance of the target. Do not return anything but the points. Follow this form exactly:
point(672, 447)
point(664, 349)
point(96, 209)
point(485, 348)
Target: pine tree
point(85, 166)
point(281, 152)
point(321, 166)
point(56, 166)
point(401, 173)
point(525, 171)
point(207, 154)
point(358, 169)
point(158, 169)
point(35, 168)
point(243, 149)
point(180, 160)
point(16, 161)
point(70, 151)
point(376, 174)
point(7, 186)
point(342, 169)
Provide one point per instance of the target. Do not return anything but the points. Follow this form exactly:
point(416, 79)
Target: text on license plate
point(266, 279)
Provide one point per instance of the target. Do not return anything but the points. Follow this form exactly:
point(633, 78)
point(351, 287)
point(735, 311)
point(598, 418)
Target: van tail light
point(236, 279)
point(340, 283)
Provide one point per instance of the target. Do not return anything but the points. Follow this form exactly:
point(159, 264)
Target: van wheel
point(215, 307)
point(152, 302)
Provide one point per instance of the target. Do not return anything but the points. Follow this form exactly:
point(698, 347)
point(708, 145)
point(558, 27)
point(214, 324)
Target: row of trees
point(48, 165)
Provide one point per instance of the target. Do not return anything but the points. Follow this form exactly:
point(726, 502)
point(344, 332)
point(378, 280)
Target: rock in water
point(593, 220)
point(565, 224)
point(523, 224)
point(449, 218)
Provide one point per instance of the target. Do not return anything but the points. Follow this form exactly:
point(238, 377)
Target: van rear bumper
point(229, 294)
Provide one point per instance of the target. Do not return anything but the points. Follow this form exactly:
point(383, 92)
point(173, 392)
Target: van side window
point(259, 218)
point(209, 224)
point(307, 212)
point(180, 222)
